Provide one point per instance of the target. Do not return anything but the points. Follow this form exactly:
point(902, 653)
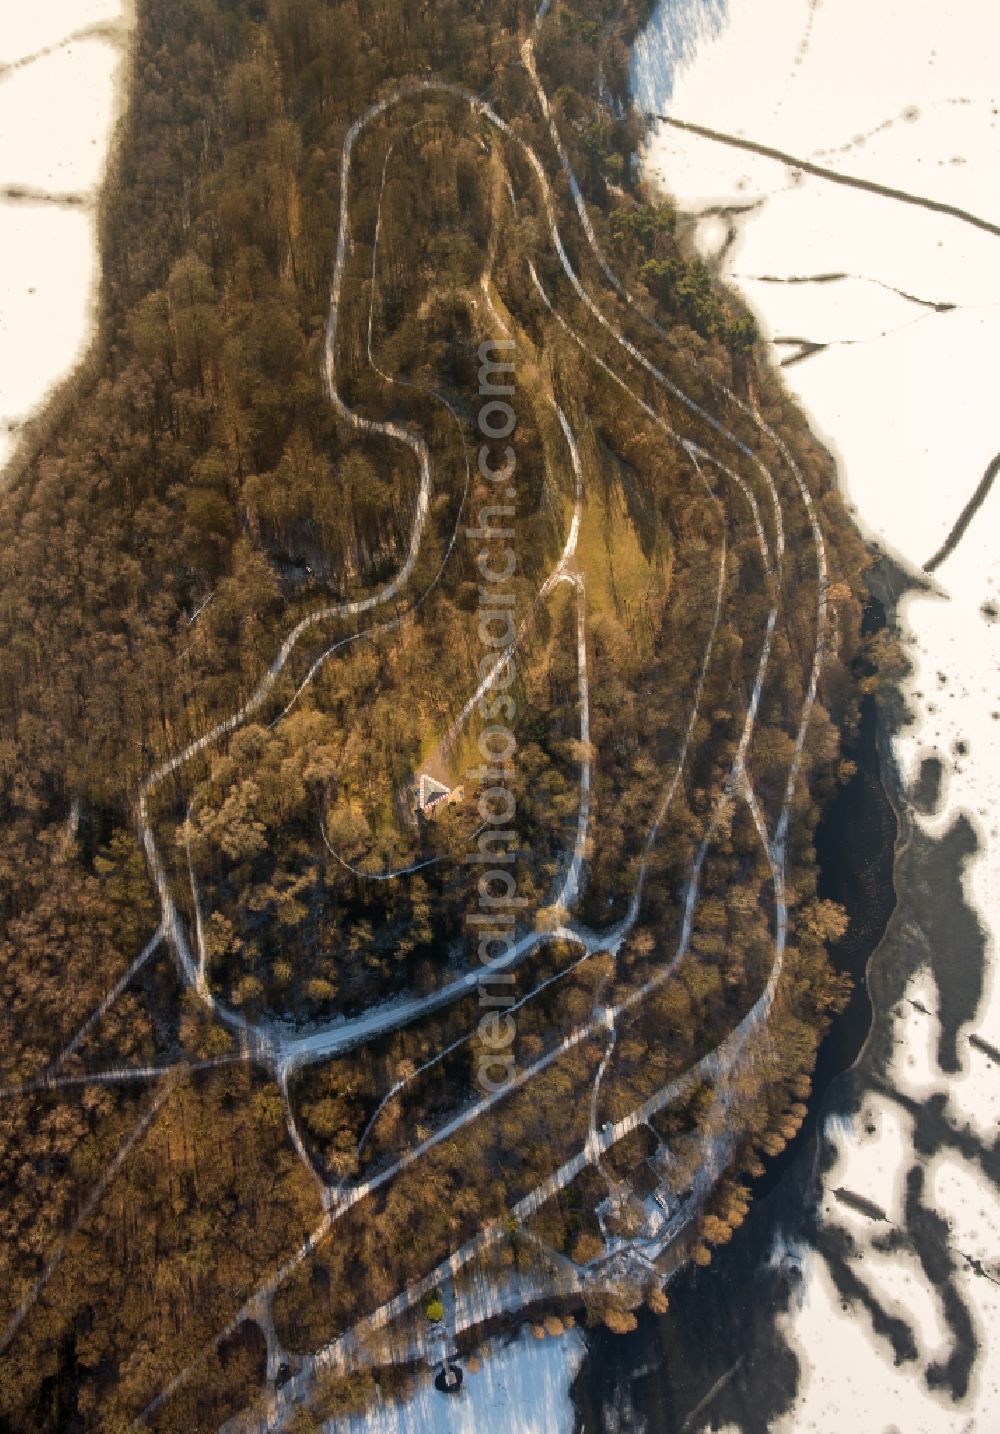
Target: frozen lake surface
point(61, 81)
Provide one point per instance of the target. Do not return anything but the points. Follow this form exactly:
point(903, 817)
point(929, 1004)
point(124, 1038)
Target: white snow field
point(62, 72)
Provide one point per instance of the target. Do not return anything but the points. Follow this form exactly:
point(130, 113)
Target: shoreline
point(867, 1255)
point(761, 1273)
point(786, 1197)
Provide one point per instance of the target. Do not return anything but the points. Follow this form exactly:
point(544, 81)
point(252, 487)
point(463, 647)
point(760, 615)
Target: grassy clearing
point(627, 571)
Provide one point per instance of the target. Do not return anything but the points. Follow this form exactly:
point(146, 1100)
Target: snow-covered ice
point(62, 65)
point(931, 107)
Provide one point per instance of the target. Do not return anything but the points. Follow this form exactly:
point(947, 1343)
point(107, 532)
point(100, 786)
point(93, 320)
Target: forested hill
point(241, 612)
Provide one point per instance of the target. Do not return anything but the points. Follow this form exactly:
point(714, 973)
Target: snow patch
point(521, 1387)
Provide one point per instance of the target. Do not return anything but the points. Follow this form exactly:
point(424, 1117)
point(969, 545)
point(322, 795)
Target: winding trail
point(284, 1054)
point(347, 1199)
point(272, 1044)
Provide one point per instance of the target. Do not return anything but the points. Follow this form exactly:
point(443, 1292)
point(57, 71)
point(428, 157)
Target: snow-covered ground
point(521, 1387)
point(61, 80)
point(903, 94)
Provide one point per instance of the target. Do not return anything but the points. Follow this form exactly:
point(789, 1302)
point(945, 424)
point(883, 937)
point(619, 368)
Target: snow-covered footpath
point(62, 68)
point(906, 304)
